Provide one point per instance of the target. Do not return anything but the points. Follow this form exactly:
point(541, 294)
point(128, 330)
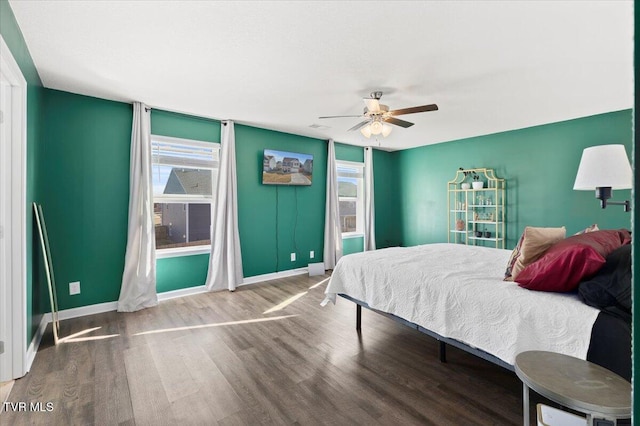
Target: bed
point(456, 294)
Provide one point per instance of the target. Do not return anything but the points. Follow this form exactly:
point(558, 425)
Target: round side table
point(573, 383)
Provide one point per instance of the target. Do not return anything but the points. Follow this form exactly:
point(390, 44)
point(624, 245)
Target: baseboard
point(100, 308)
point(35, 342)
point(181, 292)
point(274, 276)
point(83, 311)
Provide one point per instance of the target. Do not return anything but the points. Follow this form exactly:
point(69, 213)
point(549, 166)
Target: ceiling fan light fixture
point(386, 129)
point(376, 127)
point(378, 118)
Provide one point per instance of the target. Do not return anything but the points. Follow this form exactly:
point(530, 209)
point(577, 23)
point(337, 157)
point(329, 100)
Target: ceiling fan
point(377, 116)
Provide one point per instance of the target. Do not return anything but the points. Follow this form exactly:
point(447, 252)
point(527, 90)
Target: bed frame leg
point(358, 317)
point(443, 351)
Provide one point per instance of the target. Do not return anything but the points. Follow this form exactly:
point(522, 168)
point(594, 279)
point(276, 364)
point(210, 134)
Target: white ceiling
point(490, 66)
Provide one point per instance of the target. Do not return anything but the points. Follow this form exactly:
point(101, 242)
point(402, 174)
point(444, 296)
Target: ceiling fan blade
point(373, 105)
point(398, 122)
point(359, 125)
point(342, 116)
point(413, 110)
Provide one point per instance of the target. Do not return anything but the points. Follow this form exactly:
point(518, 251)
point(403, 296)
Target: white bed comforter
point(457, 291)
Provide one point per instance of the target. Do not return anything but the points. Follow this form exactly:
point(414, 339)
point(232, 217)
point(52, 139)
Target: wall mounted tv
point(286, 168)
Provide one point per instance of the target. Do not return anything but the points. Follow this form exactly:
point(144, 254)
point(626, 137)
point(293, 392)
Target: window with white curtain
point(184, 177)
point(351, 197)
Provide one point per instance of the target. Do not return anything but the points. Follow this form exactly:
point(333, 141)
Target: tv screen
point(286, 168)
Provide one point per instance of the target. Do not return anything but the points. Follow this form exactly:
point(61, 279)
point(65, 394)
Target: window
point(184, 175)
point(351, 197)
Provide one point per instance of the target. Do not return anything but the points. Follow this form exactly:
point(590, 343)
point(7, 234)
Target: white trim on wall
point(14, 291)
point(167, 295)
point(35, 342)
point(274, 276)
point(347, 235)
point(182, 251)
point(83, 311)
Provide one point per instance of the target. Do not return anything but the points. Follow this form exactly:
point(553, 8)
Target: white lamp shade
point(604, 166)
point(366, 131)
point(386, 129)
point(376, 127)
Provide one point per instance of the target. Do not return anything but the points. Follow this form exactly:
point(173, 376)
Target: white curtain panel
point(332, 230)
point(138, 290)
point(369, 209)
point(225, 263)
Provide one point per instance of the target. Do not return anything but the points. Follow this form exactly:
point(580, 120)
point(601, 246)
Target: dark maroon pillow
point(571, 260)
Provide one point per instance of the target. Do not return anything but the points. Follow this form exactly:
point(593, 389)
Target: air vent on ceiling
point(319, 126)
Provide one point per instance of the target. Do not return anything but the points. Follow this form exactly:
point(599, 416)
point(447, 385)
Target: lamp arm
point(603, 193)
point(626, 204)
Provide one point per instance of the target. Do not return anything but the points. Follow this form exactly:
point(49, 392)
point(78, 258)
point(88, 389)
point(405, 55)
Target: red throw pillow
point(571, 260)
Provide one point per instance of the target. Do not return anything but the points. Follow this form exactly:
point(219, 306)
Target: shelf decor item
point(477, 216)
point(463, 184)
point(477, 183)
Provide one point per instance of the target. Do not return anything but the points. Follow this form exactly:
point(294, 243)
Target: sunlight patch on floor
point(320, 283)
point(284, 304)
point(220, 324)
point(74, 338)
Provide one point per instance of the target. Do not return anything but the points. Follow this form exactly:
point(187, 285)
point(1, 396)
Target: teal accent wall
point(176, 273)
point(387, 197)
point(352, 245)
point(539, 164)
point(273, 220)
point(84, 169)
point(184, 126)
point(37, 296)
point(349, 153)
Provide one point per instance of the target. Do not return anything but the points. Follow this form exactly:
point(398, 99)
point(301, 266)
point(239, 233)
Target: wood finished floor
point(192, 361)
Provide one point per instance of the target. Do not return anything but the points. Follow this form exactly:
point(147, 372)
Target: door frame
point(14, 306)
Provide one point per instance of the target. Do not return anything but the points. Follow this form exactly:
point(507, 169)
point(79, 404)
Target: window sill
point(182, 251)
point(346, 235)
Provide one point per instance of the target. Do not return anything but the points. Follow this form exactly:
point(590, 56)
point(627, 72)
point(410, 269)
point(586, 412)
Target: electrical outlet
point(293, 257)
point(312, 254)
point(74, 288)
